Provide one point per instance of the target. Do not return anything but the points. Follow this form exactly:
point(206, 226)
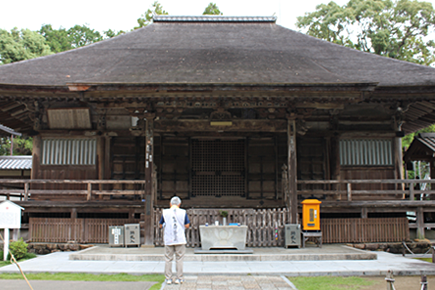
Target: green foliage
point(62, 39)
point(212, 9)
point(57, 39)
point(147, 17)
point(393, 29)
point(223, 213)
point(18, 249)
point(21, 44)
point(329, 283)
point(112, 33)
point(5, 145)
point(407, 140)
point(22, 146)
point(27, 256)
point(81, 35)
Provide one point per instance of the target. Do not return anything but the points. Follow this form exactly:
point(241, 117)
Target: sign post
point(10, 218)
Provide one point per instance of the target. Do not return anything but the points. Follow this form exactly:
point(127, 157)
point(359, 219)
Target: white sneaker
point(179, 281)
point(168, 281)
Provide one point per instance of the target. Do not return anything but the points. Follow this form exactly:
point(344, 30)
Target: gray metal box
point(116, 236)
point(292, 235)
point(132, 234)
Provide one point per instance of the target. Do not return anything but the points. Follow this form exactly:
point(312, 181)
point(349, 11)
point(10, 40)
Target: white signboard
point(10, 215)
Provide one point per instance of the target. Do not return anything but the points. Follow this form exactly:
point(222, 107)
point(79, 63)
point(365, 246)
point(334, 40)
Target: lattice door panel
point(218, 167)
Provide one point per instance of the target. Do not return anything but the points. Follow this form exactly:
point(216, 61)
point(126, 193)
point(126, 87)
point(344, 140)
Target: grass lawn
point(330, 283)
point(89, 277)
point(358, 283)
point(425, 259)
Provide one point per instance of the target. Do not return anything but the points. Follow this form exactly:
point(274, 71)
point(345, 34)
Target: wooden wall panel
point(173, 161)
point(262, 168)
point(312, 160)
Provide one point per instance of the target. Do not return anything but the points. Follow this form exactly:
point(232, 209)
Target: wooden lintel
point(205, 126)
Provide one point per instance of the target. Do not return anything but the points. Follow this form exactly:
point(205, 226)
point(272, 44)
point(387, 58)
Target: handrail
point(88, 191)
point(349, 190)
point(413, 181)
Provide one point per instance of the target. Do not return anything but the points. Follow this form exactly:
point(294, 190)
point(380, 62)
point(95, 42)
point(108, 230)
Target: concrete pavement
point(197, 270)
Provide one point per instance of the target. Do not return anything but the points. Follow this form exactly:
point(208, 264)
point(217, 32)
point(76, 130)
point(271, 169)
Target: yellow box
point(311, 215)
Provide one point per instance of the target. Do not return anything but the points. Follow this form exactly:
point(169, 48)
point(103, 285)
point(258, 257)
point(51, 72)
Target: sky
point(123, 15)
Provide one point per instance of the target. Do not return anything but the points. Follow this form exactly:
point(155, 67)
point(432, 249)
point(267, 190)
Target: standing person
point(175, 221)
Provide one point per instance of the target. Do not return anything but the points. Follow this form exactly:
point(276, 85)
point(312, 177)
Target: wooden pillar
point(101, 157)
point(107, 164)
point(398, 162)
point(335, 162)
point(36, 158)
point(73, 213)
point(292, 200)
point(420, 223)
point(149, 186)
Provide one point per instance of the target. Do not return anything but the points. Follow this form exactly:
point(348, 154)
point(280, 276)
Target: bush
point(18, 249)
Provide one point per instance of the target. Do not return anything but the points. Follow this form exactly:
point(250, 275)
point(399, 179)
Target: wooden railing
point(266, 227)
point(364, 230)
point(338, 187)
point(87, 194)
point(262, 224)
point(63, 230)
point(344, 187)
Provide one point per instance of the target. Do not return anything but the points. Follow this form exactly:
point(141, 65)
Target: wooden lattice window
point(218, 167)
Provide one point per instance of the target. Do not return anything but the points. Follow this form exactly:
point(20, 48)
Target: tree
point(22, 146)
point(393, 29)
point(57, 39)
point(112, 33)
point(212, 9)
point(21, 44)
point(83, 35)
point(147, 17)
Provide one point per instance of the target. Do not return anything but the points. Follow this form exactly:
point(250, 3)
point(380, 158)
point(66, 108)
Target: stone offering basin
point(223, 237)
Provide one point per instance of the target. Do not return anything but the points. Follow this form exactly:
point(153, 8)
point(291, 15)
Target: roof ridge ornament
point(213, 18)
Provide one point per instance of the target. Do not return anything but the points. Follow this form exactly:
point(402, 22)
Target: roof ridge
point(213, 18)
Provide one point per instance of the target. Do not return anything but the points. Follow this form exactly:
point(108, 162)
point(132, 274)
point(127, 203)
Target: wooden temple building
point(234, 113)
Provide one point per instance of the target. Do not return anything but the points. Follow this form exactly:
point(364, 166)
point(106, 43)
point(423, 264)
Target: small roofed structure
point(14, 167)
point(6, 131)
point(422, 149)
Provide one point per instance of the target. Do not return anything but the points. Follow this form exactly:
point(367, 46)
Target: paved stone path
point(226, 282)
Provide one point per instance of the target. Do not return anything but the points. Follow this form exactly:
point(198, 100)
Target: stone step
point(327, 252)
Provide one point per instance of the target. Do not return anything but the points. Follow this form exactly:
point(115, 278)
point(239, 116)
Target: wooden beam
point(292, 171)
point(255, 125)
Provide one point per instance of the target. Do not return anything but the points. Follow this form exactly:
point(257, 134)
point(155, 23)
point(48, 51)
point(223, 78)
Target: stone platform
point(223, 251)
point(311, 253)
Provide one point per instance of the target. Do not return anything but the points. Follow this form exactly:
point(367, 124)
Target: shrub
point(18, 249)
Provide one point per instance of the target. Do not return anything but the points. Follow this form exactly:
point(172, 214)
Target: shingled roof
point(215, 50)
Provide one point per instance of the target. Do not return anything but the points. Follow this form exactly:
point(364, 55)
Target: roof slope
point(214, 52)
point(18, 162)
